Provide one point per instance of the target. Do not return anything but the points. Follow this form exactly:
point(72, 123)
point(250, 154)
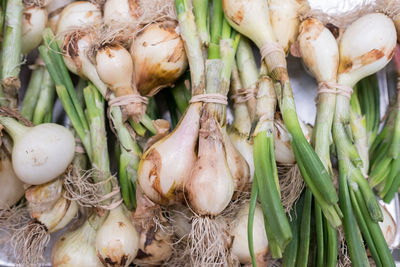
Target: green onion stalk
point(249, 75)
point(32, 92)
point(385, 169)
point(359, 130)
point(181, 93)
point(11, 53)
point(200, 10)
point(320, 53)
point(368, 96)
point(66, 92)
point(291, 253)
point(266, 174)
point(361, 210)
point(246, 20)
point(38, 102)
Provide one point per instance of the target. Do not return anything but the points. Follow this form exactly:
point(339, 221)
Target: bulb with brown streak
point(155, 242)
point(117, 240)
point(115, 67)
point(159, 57)
point(166, 165)
point(285, 21)
point(11, 189)
point(33, 23)
point(54, 9)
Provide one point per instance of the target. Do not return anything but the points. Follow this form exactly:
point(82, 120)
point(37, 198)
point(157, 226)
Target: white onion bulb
point(120, 12)
point(283, 148)
point(159, 57)
point(285, 21)
point(251, 18)
point(166, 165)
point(76, 248)
point(79, 14)
point(54, 9)
point(319, 50)
point(33, 23)
point(240, 247)
point(211, 185)
point(117, 240)
point(76, 47)
point(11, 189)
point(366, 46)
point(115, 67)
point(40, 153)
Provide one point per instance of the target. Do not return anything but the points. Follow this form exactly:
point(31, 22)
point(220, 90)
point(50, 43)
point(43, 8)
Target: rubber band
point(210, 98)
point(334, 88)
point(128, 99)
point(244, 95)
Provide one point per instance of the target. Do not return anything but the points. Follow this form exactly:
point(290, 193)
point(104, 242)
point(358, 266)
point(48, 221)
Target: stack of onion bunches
point(178, 145)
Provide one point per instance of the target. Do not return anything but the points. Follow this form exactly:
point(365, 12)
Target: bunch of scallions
point(149, 133)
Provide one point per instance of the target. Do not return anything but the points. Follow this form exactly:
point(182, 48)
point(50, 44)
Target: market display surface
point(169, 133)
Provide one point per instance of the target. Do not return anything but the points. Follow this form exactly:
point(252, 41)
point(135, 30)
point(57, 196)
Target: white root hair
point(291, 185)
point(29, 243)
point(209, 242)
point(79, 187)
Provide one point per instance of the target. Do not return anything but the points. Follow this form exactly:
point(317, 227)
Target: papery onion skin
point(167, 164)
point(388, 227)
point(52, 217)
point(117, 241)
point(239, 233)
point(366, 46)
point(71, 213)
point(159, 57)
point(155, 244)
point(76, 248)
point(79, 14)
point(43, 153)
point(33, 23)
